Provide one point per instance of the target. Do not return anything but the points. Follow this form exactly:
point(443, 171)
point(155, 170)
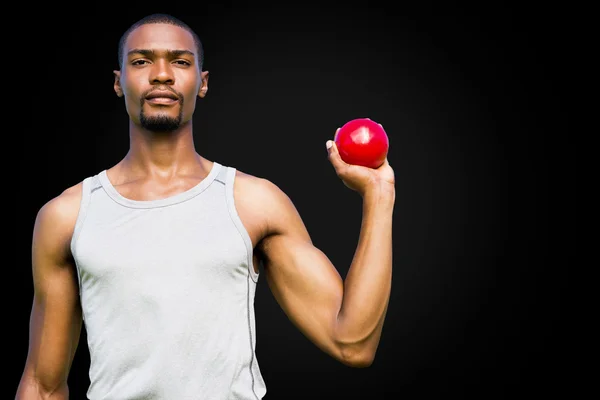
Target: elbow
point(363, 362)
point(356, 356)
point(31, 388)
point(357, 351)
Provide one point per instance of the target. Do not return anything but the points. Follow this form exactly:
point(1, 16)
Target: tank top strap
point(228, 175)
point(222, 175)
point(87, 186)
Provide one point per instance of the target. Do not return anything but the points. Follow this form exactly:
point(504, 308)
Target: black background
point(470, 104)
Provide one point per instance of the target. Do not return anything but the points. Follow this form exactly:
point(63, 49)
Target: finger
point(384, 164)
point(334, 156)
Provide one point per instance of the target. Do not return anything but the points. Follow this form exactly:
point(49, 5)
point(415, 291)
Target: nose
point(162, 73)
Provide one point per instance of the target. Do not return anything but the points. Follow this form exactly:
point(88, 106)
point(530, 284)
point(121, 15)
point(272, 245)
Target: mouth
point(162, 97)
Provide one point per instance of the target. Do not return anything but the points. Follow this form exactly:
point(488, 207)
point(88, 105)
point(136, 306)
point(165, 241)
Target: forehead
point(160, 36)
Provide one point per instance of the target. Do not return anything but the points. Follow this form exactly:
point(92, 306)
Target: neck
point(164, 154)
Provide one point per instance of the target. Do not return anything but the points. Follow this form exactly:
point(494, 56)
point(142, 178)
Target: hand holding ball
point(362, 142)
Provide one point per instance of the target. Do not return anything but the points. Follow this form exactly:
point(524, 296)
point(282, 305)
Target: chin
point(160, 123)
point(165, 120)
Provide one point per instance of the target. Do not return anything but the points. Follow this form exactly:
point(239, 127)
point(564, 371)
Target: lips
point(162, 95)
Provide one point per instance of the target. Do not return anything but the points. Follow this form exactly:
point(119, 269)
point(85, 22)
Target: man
point(159, 254)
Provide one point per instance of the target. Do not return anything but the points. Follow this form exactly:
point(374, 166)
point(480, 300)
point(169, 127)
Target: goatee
point(160, 122)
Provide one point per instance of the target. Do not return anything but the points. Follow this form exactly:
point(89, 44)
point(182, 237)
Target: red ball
point(362, 142)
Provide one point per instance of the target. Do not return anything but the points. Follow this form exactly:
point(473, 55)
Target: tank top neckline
point(165, 201)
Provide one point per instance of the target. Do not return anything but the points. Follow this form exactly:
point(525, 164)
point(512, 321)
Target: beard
point(162, 122)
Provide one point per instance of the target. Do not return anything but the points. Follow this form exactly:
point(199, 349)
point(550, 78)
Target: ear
point(117, 85)
point(204, 85)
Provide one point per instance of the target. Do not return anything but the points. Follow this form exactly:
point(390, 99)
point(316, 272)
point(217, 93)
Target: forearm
point(368, 283)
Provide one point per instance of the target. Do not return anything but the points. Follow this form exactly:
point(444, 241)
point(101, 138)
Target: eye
point(182, 62)
point(138, 62)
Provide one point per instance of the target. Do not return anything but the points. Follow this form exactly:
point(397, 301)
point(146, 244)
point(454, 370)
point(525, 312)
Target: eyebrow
point(170, 53)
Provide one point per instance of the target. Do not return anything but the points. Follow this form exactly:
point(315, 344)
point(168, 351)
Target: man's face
point(160, 77)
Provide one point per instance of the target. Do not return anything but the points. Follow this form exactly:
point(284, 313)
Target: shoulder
point(259, 191)
point(57, 217)
point(266, 201)
point(65, 204)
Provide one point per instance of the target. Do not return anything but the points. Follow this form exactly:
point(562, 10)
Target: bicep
point(301, 277)
point(307, 287)
point(55, 321)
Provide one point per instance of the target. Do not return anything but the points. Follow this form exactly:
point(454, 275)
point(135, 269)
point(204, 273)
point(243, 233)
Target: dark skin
point(344, 318)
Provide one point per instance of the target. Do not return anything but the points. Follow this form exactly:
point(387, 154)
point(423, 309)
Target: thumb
point(334, 156)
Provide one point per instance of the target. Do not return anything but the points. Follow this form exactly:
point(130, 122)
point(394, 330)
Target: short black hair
point(161, 19)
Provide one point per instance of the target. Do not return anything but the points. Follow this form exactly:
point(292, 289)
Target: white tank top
point(167, 290)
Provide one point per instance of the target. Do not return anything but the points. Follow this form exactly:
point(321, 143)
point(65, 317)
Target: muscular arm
point(344, 318)
point(55, 322)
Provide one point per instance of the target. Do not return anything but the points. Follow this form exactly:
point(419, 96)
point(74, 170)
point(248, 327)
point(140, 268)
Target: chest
point(162, 245)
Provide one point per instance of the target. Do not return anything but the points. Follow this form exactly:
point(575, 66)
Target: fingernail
point(328, 144)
